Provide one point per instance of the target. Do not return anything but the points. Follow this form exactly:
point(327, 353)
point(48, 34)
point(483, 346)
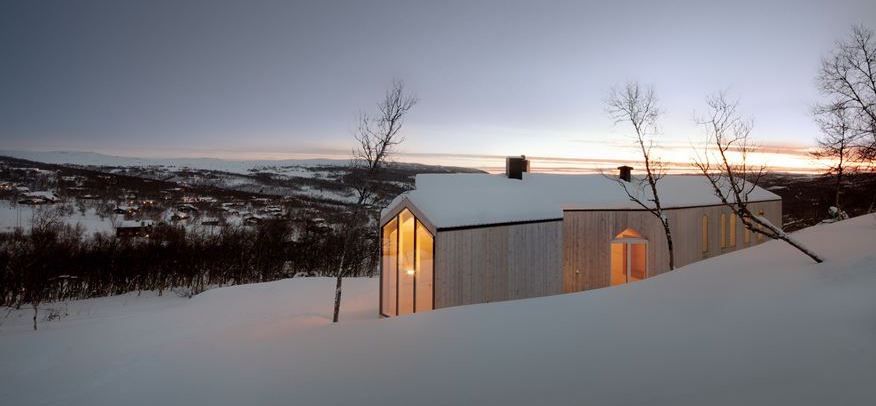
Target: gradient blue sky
point(257, 79)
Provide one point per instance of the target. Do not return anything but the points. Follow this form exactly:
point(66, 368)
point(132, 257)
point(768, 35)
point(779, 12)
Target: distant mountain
point(213, 164)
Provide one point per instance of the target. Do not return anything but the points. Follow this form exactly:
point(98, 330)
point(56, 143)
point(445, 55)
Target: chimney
point(625, 172)
point(515, 166)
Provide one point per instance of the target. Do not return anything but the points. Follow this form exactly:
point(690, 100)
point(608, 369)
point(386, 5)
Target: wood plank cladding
point(587, 236)
point(488, 264)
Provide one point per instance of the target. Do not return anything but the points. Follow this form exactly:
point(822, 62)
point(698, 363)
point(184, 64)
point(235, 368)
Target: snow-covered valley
point(760, 326)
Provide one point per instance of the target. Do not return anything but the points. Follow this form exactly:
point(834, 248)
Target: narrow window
point(705, 239)
point(723, 230)
point(733, 230)
point(407, 267)
point(424, 264)
point(406, 274)
point(390, 267)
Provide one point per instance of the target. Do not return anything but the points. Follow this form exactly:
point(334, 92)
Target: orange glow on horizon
point(578, 157)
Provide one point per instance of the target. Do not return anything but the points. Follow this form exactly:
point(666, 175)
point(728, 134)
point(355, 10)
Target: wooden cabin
point(462, 239)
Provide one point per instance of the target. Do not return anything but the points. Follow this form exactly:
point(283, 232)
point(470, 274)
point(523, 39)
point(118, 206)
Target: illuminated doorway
point(629, 257)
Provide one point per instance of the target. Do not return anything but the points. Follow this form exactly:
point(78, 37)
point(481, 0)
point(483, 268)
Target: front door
point(629, 260)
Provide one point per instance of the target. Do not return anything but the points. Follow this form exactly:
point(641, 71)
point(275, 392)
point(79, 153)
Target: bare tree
point(376, 137)
point(847, 79)
point(837, 143)
point(637, 106)
point(724, 161)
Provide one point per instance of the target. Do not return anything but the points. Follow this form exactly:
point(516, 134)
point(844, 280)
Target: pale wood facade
point(488, 263)
point(588, 234)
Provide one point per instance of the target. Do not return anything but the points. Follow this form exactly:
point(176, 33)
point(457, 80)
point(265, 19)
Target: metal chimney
point(515, 166)
point(625, 172)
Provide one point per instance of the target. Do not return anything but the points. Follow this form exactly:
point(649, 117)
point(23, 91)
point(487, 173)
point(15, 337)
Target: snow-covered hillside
point(23, 215)
point(212, 164)
point(763, 325)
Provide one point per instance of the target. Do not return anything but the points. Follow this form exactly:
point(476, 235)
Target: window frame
point(417, 223)
point(733, 225)
point(704, 234)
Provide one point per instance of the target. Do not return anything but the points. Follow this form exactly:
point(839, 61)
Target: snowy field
point(23, 215)
point(763, 325)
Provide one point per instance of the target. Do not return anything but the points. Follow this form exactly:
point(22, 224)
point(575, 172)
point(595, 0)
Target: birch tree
point(837, 144)
point(636, 106)
point(847, 80)
point(377, 137)
point(724, 161)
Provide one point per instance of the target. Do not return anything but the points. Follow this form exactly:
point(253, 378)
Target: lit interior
point(629, 258)
point(406, 263)
point(407, 266)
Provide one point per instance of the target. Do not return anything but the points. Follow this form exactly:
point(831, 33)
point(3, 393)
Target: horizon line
point(492, 163)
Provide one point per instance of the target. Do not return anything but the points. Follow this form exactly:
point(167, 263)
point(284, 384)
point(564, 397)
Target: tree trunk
point(338, 284)
point(669, 243)
point(35, 310)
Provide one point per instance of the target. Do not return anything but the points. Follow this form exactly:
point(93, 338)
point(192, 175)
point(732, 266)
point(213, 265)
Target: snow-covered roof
point(134, 223)
point(43, 194)
point(457, 200)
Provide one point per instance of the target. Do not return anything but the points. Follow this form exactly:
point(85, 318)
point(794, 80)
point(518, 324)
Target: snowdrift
point(763, 325)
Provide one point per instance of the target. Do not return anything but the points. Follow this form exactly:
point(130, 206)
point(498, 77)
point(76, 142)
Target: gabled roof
point(459, 200)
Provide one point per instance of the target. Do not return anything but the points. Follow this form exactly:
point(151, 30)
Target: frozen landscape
point(760, 326)
point(22, 216)
point(437, 203)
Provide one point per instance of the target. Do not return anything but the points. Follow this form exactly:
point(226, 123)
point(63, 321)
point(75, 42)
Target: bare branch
point(847, 79)
point(377, 136)
point(733, 179)
point(636, 105)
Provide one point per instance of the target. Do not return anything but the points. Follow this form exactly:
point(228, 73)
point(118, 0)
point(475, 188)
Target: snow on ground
point(22, 215)
point(759, 326)
point(328, 194)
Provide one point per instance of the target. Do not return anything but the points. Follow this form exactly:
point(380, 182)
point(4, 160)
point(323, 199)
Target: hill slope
point(759, 326)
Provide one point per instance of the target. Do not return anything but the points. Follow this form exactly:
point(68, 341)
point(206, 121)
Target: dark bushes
point(55, 262)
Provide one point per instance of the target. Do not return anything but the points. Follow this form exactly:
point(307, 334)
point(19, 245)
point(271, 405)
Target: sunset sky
point(265, 79)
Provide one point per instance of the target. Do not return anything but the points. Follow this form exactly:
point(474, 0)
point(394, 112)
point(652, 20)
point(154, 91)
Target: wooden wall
point(588, 235)
point(489, 264)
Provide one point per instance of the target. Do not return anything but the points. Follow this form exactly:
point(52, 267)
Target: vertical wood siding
point(588, 234)
point(491, 264)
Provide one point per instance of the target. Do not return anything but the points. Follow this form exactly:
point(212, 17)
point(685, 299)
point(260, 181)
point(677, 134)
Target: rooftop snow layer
point(456, 200)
